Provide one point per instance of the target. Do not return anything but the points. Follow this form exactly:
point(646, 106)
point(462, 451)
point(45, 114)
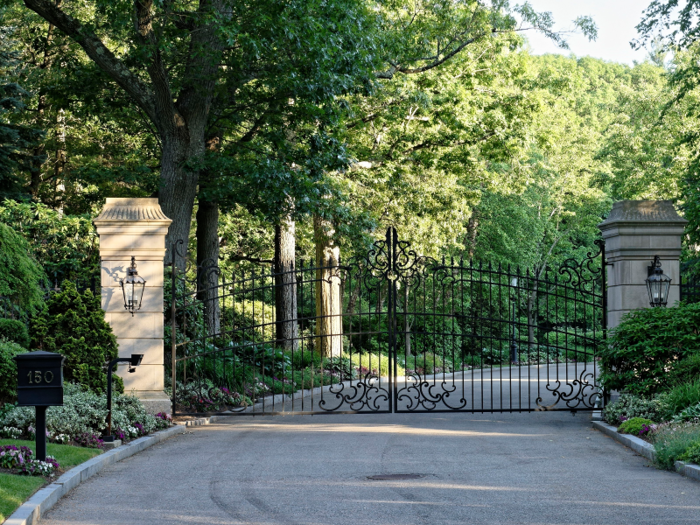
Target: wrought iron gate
point(391, 332)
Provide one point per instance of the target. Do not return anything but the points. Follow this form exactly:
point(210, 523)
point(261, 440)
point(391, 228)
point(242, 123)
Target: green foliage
point(8, 370)
point(672, 441)
point(692, 454)
point(73, 324)
point(646, 345)
point(342, 367)
point(15, 331)
point(66, 246)
point(305, 358)
point(686, 370)
point(427, 363)
point(19, 143)
point(375, 364)
point(20, 275)
point(84, 412)
point(631, 406)
point(679, 398)
point(267, 359)
point(688, 414)
point(635, 426)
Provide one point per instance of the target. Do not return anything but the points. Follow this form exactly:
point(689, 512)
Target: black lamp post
point(133, 286)
point(513, 343)
point(134, 360)
point(658, 284)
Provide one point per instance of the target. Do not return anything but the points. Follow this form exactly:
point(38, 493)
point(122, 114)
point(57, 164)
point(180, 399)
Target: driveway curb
point(30, 512)
point(640, 446)
point(645, 449)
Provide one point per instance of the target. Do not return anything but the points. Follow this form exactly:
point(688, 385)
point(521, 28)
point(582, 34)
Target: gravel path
point(538, 468)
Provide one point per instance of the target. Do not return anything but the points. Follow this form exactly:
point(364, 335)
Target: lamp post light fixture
point(133, 286)
point(514, 343)
point(658, 284)
point(134, 360)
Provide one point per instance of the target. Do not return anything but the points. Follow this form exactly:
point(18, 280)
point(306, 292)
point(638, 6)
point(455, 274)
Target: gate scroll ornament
point(515, 338)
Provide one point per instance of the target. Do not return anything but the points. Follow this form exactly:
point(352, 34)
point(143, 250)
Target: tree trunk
point(472, 231)
point(208, 263)
point(38, 153)
point(354, 296)
point(287, 326)
point(531, 320)
point(178, 190)
point(329, 326)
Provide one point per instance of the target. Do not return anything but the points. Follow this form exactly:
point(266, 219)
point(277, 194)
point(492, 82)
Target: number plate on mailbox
point(40, 379)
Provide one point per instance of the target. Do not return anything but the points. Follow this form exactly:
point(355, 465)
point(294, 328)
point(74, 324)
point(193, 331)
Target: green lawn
point(15, 490)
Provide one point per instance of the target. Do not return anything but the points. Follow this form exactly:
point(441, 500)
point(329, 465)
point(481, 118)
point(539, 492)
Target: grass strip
point(16, 489)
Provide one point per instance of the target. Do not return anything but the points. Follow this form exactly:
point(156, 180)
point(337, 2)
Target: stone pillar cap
point(121, 210)
point(648, 211)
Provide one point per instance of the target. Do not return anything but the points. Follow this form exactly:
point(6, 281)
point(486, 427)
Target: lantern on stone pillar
point(133, 286)
point(658, 284)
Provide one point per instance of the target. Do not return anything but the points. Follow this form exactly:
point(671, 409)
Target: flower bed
point(21, 461)
point(82, 419)
point(662, 420)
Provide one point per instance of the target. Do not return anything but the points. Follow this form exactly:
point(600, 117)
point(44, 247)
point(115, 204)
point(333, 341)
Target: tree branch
point(97, 52)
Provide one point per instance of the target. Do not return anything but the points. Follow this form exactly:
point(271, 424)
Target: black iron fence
point(390, 332)
point(690, 288)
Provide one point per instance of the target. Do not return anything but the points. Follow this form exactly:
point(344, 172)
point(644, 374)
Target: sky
point(616, 21)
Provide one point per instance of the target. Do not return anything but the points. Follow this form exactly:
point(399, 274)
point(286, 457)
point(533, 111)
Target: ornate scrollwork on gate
point(392, 259)
point(578, 394)
point(364, 394)
point(419, 393)
point(582, 275)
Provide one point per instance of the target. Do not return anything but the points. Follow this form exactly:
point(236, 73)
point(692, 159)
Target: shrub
point(67, 246)
point(686, 370)
point(637, 426)
point(688, 414)
point(679, 398)
point(15, 331)
point(427, 364)
point(629, 406)
point(671, 441)
point(692, 454)
point(374, 364)
point(341, 367)
point(83, 412)
point(206, 397)
point(20, 275)
point(646, 345)
point(304, 358)
point(73, 324)
point(8, 370)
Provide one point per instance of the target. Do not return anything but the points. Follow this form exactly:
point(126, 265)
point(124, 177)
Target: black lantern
point(658, 284)
point(132, 288)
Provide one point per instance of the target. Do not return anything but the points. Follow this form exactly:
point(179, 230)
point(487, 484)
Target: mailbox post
point(40, 384)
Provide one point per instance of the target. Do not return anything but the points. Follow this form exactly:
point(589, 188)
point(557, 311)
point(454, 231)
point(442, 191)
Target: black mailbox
point(40, 379)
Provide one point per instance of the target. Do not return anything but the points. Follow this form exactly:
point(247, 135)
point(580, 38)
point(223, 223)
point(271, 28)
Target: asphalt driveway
point(537, 468)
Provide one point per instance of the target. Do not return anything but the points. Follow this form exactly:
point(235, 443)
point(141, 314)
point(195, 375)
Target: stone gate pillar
point(136, 227)
point(634, 232)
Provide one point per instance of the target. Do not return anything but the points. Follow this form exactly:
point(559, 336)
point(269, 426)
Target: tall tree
point(178, 60)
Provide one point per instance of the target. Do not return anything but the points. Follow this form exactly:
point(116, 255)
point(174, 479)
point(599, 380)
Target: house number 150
point(35, 376)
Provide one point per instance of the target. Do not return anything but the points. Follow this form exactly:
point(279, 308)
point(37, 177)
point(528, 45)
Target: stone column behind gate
point(634, 232)
point(136, 227)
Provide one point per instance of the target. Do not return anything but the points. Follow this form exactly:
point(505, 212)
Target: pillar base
point(154, 401)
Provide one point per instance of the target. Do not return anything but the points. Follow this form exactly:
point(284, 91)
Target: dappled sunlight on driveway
point(373, 429)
